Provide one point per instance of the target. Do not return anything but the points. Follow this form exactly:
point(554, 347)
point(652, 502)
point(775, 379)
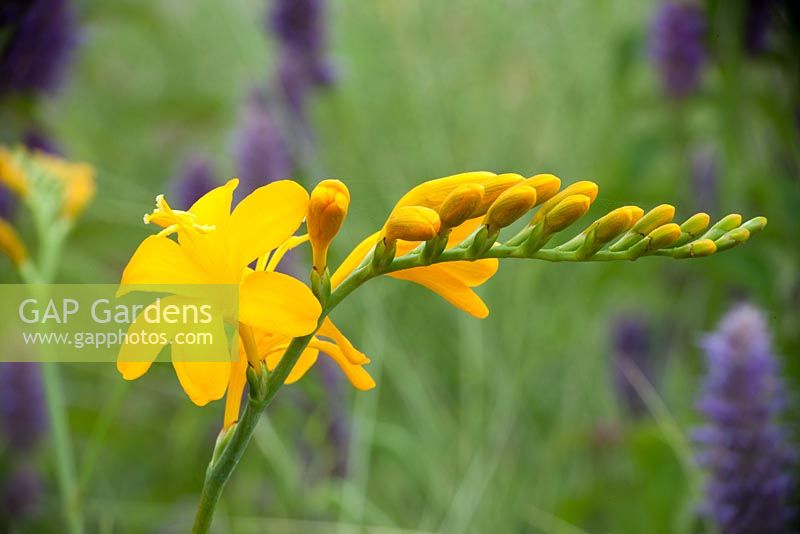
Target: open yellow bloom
point(75, 179)
point(214, 246)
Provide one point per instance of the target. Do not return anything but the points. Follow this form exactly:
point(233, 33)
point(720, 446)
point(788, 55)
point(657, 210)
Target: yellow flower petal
point(446, 286)
point(354, 259)
point(236, 382)
point(432, 193)
point(264, 219)
point(278, 303)
point(159, 260)
point(134, 360)
point(306, 360)
point(203, 382)
point(356, 374)
point(214, 208)
point(353, 355)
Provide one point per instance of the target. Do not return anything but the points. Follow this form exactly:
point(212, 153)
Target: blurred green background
point(510, 424)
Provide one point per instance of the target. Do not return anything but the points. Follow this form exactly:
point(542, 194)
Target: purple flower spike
point(195, 179)
point(23, 418)
point(38, 140)
point(743, 445)
point(261, 152)
point(40, 38)
point(631, 352)
point(300, 28)
point(8, 203)
point(677, 47)
point(704, 176)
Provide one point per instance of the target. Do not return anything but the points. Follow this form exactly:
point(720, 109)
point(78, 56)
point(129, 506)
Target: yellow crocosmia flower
point(658, 216)
point(432, 193)
point(452, 280)
point(412, 223)
point(493, 187)
point(615, 222)
point(512, 204)
point(584, 188)
point(271, 348)
point(546, 186)
point(327, 210)
point(11, 244)
point(214, 246)
point(566, 212)
point(460, 205)
point(77, 180)
point(11, 173)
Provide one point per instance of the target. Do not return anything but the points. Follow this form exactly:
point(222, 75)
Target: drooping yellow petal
point(353, 355)
point(356, 374)
point(470, 273)
point(159, 260)
point(264, 219)
point(203, 382)
point(448, 287)
point(278, 303)
point(236, 382)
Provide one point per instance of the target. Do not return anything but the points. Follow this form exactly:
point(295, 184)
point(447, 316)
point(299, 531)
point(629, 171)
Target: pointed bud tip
point(566, 212)
point(546, 185)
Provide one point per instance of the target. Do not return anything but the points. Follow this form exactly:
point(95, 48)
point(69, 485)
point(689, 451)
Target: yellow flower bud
point(658, 216)
point(546, 186)
point(583, 188)
point(664, 236)
point(493, 188)
point(412, 223)
point(512, 204)
point(11, 175)
point(432, 193)
point(615, 222)
point(696, 224)
point(566, 212)
point(327, 209)
point(696, 249)
point(460, 205)
point(11, 244)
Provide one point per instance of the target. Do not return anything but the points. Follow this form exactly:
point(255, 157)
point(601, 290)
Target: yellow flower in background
point(214, 246)
point(27, 172)
point(11, 244)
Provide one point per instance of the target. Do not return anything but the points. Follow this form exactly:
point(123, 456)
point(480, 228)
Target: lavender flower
point(677, 47)
point(23, 419)
point(743, 444)
point(195, 178)
point(20, 494)
point(757, 21)
point(704, 179)
point(40, 38)
point(261, 153)
point(7, 203)
point(299, 26)
point(37, 140)
point(632, 353)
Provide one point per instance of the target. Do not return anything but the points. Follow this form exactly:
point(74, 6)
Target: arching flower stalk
point(444, 234)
